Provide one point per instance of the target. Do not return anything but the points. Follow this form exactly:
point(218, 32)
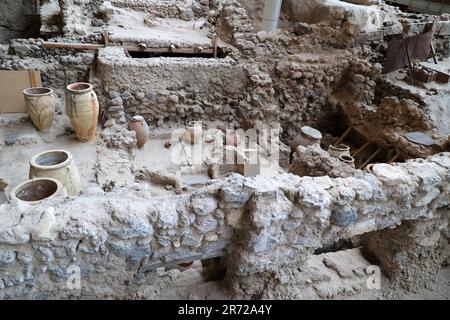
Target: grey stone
point(203, 205)
point(7, 257)
point(115, 108)
point(12, 138)
point(116, 101)
point(344, 216)
point(206, 224)
point(419, 138)
point(133, 229)
point(114, 94)
point(192, 239)
point(127, 249)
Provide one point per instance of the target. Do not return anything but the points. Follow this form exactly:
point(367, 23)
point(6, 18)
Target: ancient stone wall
point(13, 21)
point(173, 89)
point(58, 67)
point(261, 224)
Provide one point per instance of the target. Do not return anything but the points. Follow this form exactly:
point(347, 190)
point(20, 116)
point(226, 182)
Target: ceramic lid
point(311, 132)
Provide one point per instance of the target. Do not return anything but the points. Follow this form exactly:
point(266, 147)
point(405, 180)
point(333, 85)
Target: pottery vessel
point(339, 150)
point(82, 109)
point(232, 138)
point(57, 164)
point(138, 125)
point(347, 160)
point(40, 106)
point(193, 132)
point(369, 168)
point(37, 190)
point(307, 137)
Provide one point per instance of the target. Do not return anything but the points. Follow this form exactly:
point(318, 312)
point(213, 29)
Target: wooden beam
point(370, 158)
point(215, 43)
point(106, 37)
point(394, 158)
point(409, 61)
point(90, 46)
point(346, 133)
point(361, 149)
point(76, 46)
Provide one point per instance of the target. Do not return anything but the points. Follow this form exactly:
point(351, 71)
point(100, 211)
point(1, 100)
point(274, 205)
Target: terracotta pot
point(37, 190)
point(232, 138)
point(193, 132)
point(307, 137)
point(82, 109)
point(57, 164)
point(347, 160)
point(339, 150)
point(40, 106)
point(138, 125)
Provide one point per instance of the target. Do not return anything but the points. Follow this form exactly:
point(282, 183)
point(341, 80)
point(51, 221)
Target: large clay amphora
point(82, 109)
point(40, 106)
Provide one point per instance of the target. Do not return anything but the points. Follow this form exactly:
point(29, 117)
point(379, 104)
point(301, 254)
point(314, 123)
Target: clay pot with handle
point(339, 150)
point(40, 106)
point(57, 164)
point(138, 125)
point(82, 109)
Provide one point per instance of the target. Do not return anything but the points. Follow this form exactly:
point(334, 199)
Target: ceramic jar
point(82, 108)
point(40, 106)
point(193, 132)
point(307, 137)
point(138, 125)
point(37, 190)
point(57, 164)
point(349, 160)
point(339, 150)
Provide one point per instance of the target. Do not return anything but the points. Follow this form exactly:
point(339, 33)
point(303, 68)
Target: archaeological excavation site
point(224, 150)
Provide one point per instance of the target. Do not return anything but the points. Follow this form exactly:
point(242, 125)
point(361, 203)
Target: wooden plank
point(346, 133)
point(12, 83)
point(370, 158)
point(77, 46)
point(90, 46)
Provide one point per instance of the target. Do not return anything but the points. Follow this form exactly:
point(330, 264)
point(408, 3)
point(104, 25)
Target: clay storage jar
point(193, 132)
point(349, 160)
point(138, 124)
point(57, 164)
point(36, 190)
point(307, 137)
point(82, 109)
point(40, 106)
point(339, 150)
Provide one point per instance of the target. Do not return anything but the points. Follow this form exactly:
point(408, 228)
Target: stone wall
point(261, 223)
point(173, 89)
point(58, 67)
point(13, 23)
